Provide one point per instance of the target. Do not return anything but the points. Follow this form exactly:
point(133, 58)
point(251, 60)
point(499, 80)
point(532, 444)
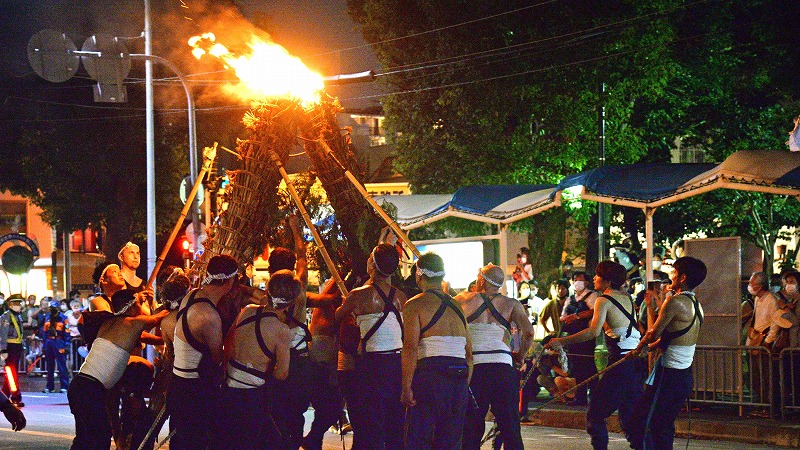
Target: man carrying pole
point(621, 386)
point(674, 334)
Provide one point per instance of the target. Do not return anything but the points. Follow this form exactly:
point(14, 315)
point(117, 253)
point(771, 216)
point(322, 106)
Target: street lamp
point(54, 57)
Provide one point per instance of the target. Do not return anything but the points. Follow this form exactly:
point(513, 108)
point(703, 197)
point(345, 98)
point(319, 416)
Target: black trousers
point(495, 386)
point(192, 406)
point(292, 399)
point(381, 379)
point(354, 393)
point(326, 400)
point(618, 390)
point(582, 367)
point(669, 392)
point(441, 391)
point(243, 425)
point(87, 398)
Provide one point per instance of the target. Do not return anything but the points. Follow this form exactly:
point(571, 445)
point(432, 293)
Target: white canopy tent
point(499, 205)
point(648, 186)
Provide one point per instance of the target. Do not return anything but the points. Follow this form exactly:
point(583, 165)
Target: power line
point(436, 30)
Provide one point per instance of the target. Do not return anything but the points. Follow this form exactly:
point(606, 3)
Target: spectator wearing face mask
point(524, 271)
point(73, 316)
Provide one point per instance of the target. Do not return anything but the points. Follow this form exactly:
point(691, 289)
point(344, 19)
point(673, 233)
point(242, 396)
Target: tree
point(480, 95)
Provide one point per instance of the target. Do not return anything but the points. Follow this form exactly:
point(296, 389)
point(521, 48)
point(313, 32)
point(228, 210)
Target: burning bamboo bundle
point(331, 152)
point(241, 231)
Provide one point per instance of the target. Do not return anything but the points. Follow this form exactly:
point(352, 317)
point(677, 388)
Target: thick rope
point(495, 431)
point(153, 427)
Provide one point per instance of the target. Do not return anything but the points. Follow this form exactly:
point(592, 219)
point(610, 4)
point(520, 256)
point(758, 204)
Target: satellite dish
point(51, 56)
point(114, 62)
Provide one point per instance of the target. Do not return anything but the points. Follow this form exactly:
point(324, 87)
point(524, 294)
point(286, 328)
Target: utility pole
point(602, 229)
point(150, 131)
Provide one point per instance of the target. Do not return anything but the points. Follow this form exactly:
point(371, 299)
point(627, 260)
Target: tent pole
point(648, 231)
point(503, 253)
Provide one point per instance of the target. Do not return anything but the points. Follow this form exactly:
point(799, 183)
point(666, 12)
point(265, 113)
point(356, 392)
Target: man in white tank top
point(198, 353)
point(437, 362)
point(494, 381)
point(376, 307)
point(620, 387)
point(103, 368)
point(674, 336)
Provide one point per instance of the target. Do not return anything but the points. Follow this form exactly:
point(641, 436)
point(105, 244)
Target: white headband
point(128, 245)
point(490, 281)
point(429, 273)
point(220, 276)
point(279, 302)
point(103, 273)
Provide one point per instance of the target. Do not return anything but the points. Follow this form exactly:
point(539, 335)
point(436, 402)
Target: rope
point(166, 439)
point(153, 427)
point(494, 431)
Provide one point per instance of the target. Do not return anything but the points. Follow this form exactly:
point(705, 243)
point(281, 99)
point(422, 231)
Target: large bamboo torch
point(310, 224)
point(209, 153)
point(389, 221)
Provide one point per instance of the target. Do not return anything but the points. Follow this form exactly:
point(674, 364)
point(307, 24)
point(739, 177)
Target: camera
point(654, 285)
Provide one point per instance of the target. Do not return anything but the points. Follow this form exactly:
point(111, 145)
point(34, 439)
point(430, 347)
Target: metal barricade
point(736, 376)
point(790, 384)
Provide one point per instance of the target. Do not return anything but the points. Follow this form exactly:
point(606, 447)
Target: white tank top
point(629, 343)
point(186, 357)
point(388, 337)
point(678, 356)
point(105, 362)
point(453, 346)
point(490, 343)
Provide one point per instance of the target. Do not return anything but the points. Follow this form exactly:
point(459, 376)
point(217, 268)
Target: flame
point(268, 71)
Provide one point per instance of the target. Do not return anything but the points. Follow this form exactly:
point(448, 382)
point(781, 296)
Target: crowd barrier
point(33, 361)
point(748, 377)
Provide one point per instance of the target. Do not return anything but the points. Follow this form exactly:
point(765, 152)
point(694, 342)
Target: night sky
point(320, 32)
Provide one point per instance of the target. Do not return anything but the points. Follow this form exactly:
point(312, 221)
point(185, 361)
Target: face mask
point(16, 308)
point(76, 309)
point(656, 265)
point(751, 290)
point(791, 288)
point(579, 286)
point(523, 259)
point(63, 307)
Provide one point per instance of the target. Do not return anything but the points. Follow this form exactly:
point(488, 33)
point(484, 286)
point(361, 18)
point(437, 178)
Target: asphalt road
point(51, 426)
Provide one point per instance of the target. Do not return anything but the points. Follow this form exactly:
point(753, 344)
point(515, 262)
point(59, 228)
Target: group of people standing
point(243, 365)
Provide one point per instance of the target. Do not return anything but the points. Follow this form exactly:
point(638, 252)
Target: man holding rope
point(494, 380)
point(621, 386)
point(674, 334)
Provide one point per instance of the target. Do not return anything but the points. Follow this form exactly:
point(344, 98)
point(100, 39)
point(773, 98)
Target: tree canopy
point(482, 92)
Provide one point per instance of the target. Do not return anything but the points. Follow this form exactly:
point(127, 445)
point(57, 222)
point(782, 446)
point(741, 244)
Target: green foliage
point(514, 98)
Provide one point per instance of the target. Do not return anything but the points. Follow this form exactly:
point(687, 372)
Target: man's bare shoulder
point(466, 297)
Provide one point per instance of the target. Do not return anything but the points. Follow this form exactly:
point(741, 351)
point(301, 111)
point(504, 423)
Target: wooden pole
point(389, 221)
point(310, 224)
point(208, 159)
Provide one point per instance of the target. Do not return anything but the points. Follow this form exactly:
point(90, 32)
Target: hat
point(15, 298)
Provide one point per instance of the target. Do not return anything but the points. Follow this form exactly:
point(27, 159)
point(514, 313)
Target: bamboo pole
point(317, 238)
point(389, 221)
point(209, 153)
